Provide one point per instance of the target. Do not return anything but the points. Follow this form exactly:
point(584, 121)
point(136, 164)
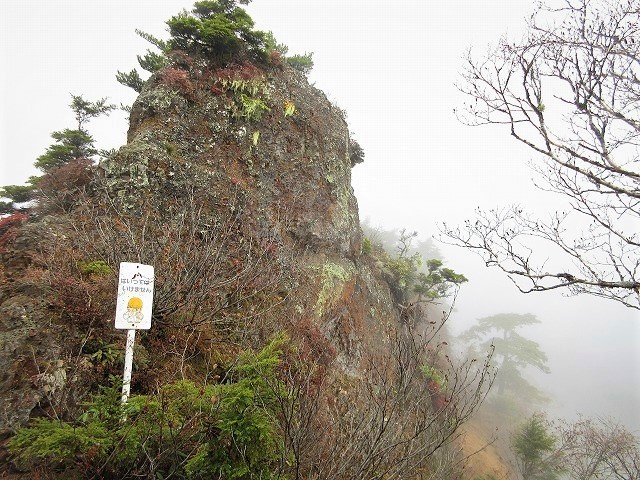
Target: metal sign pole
point(128, 365)
point(133, 311)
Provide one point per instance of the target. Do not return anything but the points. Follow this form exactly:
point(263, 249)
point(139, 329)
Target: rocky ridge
point(286, 173)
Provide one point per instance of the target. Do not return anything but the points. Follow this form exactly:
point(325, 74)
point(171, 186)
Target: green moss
point(333, 278)
point(96, 267)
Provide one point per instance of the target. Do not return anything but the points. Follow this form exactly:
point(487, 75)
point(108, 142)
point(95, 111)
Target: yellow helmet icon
point(135, 303)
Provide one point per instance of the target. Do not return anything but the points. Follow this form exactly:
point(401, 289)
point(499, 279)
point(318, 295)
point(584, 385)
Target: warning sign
point(135, 296)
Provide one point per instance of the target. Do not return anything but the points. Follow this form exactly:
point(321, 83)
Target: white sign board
point(135, 296)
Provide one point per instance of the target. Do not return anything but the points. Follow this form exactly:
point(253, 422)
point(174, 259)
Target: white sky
point(392, 65)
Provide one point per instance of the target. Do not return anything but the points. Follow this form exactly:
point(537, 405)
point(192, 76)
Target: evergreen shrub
point(228, 430)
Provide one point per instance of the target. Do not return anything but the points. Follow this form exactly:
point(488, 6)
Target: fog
point(591, 344)
point(392, 66)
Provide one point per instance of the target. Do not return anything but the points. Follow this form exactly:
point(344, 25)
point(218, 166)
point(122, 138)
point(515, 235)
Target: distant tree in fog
point(534, 447)
point(585, 449)
point(570, 92)
point(513, 354)
point(389, 240)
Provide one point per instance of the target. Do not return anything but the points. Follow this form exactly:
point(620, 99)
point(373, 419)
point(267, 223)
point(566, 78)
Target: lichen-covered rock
point(291, 167)
point(287, 165)
point(268, 147)
point(30, 369)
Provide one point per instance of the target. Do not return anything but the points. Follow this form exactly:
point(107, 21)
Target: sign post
point(128, 365)
point(133, 311)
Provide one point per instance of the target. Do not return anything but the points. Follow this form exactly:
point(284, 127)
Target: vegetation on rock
point(235, 185)
point(223, 430)
point(219, 32)
point(412, 278)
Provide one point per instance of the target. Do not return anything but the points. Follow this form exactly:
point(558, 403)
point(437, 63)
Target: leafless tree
point(399, 420)
point(570, 91)
point(208, 272)
point(595, 449)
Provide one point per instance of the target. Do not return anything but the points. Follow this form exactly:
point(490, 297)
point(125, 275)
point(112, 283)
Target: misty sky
point(392, 65)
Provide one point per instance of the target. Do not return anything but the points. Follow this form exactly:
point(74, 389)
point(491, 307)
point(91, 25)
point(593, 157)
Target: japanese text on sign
point(135, 296)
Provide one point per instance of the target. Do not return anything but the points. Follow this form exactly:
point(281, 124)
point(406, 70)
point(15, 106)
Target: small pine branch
point(151, 61)
point(131, 80)
point(161, 45)
point(303, 63)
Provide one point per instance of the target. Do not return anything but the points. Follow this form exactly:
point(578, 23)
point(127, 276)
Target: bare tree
point(570, 92)
point(593, 449)
point(400, 419)
point(207, 270)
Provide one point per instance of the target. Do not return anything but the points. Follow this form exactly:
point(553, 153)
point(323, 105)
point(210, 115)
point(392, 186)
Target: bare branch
point(570, 91)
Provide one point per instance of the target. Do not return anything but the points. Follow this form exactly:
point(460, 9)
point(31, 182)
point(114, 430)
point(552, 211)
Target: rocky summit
point(311, 352)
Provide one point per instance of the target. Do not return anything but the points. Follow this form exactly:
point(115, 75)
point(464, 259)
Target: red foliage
point(73, 174)
point(178, 79)
point(438, 398)
point(275, 58)
point(439, 402)
point(244, 71)
point(82, 301)
point(217, 90)
point(270, 248)
point(313, 345)
point(9, 227)
point(60, 187)
point(307, 358)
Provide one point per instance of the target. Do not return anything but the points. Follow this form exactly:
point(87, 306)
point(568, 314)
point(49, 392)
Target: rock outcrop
point(265, 144)
point(235, 184)
point(292, 170)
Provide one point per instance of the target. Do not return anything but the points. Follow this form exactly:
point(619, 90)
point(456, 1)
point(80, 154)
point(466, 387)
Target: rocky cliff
point(235, 184)
point(284, 172)
point(285, 166)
